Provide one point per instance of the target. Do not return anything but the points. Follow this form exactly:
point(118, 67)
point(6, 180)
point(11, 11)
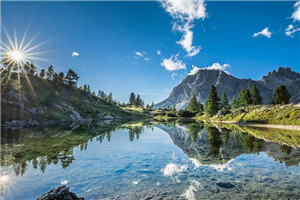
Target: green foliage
point(215, 140)
point(213, 102)
point(132, 99)
point(72, 78)
point(194, 105)
point(281, 95)
point(224, 102)
point(194, 129)
point(245, 97)
point(50, 73)
point(255, 95)
point(234, 103)
point(186, 113)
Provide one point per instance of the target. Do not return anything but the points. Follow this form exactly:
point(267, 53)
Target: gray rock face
point(200, 83)
point(60, 193)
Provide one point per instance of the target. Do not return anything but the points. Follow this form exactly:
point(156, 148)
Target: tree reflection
point(215, 140)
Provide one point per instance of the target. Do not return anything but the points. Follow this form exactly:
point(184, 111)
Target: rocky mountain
point(200, 83)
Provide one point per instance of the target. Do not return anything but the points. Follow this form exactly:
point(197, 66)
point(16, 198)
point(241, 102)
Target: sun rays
point(17, 57)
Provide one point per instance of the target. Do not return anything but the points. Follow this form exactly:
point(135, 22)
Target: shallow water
point(156, 161)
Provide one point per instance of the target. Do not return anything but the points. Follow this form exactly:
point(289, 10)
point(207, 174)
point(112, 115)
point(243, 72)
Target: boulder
point(60, 193)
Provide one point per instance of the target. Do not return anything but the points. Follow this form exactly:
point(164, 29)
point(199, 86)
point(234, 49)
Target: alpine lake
point(151, 160)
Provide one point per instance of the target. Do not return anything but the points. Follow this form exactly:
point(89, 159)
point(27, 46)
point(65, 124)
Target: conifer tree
point(224, 102)
point(72, 78)
point(194, 105)
point(213, 101)
point(132, 99)
point(281, 95)
point(61, 77)
point(50, 73)
point(255, 95)
point(245, 98)
point(234, 103)
point(42, 73)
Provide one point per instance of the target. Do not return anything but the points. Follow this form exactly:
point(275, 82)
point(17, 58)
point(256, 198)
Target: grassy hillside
point(42, 100)
point(266, 114)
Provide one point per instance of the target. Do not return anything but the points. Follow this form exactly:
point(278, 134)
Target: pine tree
point(72, 78)
point(224, 102)
point(234, 103)
point(132, 99)
point(245, 98)
point(85, 87)
point(42, 73)
point(255, 95)
point(213, 101)
point(88, 89)
point(26, 68)
point(174, 108)
point(32, 69)
point(61, 77)
point(50, 73)
point(55, 77)
point(194, 105)
point(281, 95)
point(138, 101)
point(110, 98)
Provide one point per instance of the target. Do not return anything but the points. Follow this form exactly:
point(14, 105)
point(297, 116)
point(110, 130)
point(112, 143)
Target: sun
point(16, 56)
point(16, 53)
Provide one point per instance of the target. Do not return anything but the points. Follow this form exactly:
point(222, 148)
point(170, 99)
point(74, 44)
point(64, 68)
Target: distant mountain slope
point(200, 83)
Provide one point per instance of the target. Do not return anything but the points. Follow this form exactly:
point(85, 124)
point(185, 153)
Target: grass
point(265, 114)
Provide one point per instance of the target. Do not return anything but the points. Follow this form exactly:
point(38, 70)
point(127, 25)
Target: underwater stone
point(226, 185)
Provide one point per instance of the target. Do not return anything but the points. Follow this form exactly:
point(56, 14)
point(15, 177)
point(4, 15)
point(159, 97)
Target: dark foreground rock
point(226, 185)
point(60, 193)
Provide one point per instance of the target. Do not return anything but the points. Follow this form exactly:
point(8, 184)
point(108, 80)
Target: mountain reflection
point(207, 143)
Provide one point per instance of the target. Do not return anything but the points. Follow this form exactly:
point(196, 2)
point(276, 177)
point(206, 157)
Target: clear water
point(153, 161)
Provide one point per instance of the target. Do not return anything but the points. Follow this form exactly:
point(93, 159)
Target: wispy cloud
point(184, 13)
point(296, 13)
point(173, 63)
point(158, 52)
point(290, 30)
point(75, 54)
point(139, 54)
point(265, 32)
point(214, 66)
point(173, 75)
point(146, 59)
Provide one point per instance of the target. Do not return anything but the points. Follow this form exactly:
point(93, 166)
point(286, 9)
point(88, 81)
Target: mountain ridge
point(200, 83)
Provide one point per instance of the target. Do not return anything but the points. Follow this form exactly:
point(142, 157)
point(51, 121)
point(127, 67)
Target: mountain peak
point(200, 82)
point(283, 72)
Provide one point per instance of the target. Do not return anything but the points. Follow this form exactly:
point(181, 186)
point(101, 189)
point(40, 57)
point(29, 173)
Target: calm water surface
point(151, 161)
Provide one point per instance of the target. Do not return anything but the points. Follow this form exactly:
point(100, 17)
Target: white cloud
point(214, 66)
point(158, 52)
point(296, 13)
point(139, 54)
point(173, 77)
point(75, 54)
point(264, 32)
point(173, 63)
point(184, 13)
point(290, 30)
point(146, 59)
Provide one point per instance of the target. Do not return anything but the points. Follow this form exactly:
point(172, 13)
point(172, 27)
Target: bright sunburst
point(17, 53)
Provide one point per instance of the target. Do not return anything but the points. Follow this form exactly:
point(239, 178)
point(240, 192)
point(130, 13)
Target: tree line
point(246, 97)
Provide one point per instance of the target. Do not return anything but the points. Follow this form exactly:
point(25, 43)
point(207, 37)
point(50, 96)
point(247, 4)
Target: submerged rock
point(226, 185)
point(60, 193)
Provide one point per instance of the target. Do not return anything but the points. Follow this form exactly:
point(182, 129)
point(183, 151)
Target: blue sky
point(118, 42)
